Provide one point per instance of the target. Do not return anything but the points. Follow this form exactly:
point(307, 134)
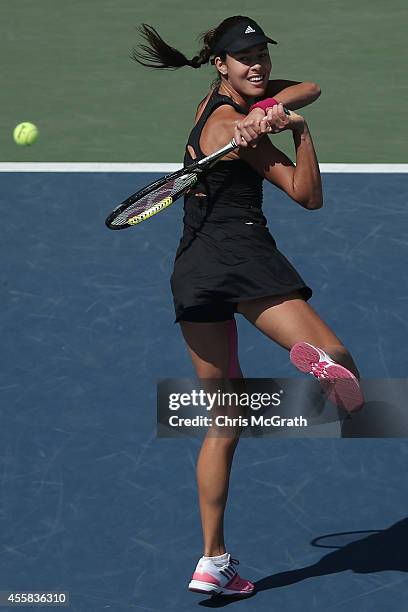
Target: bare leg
point(212, 348)
point(213, 473)
point(289, 319)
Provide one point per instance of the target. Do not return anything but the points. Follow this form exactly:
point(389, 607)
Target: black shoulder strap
point(216, 100)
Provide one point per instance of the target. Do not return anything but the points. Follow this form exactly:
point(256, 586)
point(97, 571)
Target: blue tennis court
point(93, 503)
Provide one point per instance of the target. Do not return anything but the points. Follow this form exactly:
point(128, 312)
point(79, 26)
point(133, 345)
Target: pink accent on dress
point(233, 368)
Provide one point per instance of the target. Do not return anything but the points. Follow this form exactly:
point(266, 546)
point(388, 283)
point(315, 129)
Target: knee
point(220, 445)
point(211, 371)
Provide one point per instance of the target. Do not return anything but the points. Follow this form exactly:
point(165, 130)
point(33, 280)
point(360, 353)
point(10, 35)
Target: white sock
point(220, 560)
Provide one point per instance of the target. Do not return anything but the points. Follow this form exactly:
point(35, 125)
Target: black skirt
point(221, 264)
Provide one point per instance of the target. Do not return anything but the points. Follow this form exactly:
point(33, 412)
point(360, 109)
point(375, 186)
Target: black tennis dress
point(226, 253)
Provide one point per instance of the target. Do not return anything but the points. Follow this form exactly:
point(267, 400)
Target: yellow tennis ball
point(25, 134)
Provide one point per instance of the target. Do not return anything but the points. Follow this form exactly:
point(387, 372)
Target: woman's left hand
point(278, 120)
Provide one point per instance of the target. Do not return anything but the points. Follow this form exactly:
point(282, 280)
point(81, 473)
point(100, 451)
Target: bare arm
point(293, 94)
point(301, 182)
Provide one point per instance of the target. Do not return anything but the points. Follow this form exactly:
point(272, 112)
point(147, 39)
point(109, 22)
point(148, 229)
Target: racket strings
point(155, 200)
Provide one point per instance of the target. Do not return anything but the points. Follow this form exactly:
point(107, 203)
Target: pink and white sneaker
point(341, 386)
point(210, 579)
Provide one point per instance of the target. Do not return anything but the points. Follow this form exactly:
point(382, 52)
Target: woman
point(228, 262)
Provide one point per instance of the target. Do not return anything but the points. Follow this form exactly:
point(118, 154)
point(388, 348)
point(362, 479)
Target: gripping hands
point(249, 130)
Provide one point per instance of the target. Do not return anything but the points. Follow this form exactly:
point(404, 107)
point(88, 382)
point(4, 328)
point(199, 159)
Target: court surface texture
point(93, 502)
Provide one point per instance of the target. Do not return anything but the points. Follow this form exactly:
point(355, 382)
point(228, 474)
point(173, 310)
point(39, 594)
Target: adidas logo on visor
point(249, 30)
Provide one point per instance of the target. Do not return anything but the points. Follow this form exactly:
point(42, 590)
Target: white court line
point(169, 167)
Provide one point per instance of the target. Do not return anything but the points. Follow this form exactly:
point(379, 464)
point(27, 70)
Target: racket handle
point(217, 154)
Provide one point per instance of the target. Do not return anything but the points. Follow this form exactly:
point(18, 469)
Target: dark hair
point(158, 54)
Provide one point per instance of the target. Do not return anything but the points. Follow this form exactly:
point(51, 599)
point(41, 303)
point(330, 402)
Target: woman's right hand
point(278, 120)
point(251, 128)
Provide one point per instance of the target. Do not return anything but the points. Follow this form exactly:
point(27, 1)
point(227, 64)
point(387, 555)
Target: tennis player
point(227, 262)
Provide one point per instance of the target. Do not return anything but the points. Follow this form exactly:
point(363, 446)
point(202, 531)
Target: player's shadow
point(377, 552)
point(380, 551)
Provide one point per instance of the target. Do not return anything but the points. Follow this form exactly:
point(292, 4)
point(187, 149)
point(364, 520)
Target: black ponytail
point(158, 54)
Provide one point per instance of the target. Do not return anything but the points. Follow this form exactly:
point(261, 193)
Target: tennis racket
point(161, 193)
